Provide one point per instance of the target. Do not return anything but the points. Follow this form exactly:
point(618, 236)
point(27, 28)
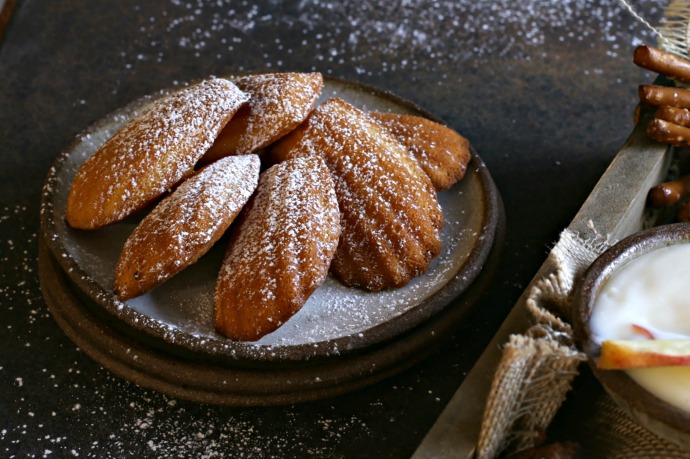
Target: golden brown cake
point(279, 251)
point(184, 225)
point(278, 103)
point(442, 153)
point(151, 153)
point(390, 214)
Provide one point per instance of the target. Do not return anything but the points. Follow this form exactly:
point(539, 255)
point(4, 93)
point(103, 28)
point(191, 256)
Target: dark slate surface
point(544, 91)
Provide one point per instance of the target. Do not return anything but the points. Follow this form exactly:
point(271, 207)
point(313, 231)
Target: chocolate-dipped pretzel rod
point(663, 63)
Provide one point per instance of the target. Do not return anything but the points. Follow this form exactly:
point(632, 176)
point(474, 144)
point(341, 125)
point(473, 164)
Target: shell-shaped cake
point(441, 152)
point(151, 153)
point(185, 224)
point(278, 103)
point(390, 213)
point(279, 250)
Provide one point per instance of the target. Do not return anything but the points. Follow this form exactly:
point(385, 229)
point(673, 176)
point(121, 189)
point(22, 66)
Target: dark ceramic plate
point(627, 388)
point(336, 320)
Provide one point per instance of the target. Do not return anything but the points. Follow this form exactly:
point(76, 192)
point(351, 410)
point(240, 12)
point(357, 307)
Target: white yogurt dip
point(652, 292)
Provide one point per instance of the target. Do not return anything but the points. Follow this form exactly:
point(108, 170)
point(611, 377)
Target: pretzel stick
point(664, 95)
point(665, 132)
point(675, 115)
point(668, 193)
point(662, 62)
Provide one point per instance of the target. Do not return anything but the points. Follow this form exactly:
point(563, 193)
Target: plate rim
point(268, 352)
point(247, 385)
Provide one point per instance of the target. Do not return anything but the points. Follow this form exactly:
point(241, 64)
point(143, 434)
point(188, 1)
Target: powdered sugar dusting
point(335, 310)
point(278, 103)
point(442, 153)
point(151, 153)
point(390, 215)
point(186, 224)
point(281, 250)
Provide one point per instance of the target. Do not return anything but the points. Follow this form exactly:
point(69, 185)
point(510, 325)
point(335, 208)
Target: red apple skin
point(642, 331)
point(621, 354)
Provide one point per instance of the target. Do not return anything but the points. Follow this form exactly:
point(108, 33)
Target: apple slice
point(623, 354)
point(642, 331)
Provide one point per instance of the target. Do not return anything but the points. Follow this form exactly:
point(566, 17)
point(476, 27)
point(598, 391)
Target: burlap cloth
point(538, 367)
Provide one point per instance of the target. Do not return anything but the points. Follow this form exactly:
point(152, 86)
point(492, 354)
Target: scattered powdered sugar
point(132, 422)
point(416, 36)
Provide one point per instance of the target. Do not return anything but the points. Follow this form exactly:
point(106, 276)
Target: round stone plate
point(658, 416)
point(177, 317)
